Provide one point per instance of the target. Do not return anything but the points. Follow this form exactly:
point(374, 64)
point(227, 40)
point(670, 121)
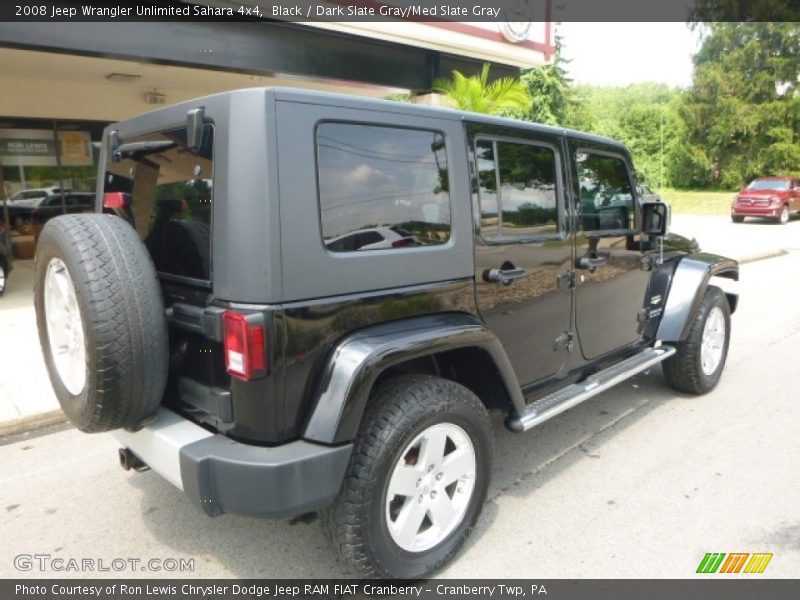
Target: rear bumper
point(221, 475)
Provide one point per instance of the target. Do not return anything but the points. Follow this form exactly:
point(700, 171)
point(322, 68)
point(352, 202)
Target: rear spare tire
point(101, 321)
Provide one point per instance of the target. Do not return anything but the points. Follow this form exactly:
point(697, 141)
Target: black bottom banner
point(443, 589)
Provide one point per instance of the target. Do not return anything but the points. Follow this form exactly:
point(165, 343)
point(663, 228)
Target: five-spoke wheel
point(417, 478)
point(64, 327)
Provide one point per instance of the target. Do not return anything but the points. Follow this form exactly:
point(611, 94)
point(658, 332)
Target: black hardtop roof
point(284, 94)
point(440, 112)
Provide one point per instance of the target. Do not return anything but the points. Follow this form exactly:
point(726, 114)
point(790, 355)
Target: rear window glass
point(382, 187)
point(168, 200)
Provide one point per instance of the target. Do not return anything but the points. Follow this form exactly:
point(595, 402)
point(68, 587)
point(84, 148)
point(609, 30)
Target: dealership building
point(63, 82)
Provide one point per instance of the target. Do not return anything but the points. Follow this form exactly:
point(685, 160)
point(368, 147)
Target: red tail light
point(245, 347)
point(113, 200)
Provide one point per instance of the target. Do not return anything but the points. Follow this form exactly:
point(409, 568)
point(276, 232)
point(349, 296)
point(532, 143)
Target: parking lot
point(638, 482)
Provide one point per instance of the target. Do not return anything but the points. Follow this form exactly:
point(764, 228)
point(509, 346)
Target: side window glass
point(606, 196)
point(487, 189)
point(382, 187)
point(517, 185)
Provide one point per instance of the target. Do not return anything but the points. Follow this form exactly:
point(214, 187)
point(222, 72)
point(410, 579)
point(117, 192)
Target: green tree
point(742, 114)
point(550, 92)
point(643, 116)
point(477, 94)
point(554, 101)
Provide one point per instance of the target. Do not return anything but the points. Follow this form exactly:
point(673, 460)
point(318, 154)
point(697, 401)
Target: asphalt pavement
point(637, 482)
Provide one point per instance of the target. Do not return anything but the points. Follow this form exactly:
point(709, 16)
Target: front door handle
point(590, 263)
point(504, 276)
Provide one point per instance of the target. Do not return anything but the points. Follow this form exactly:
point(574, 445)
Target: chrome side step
point(564, 399)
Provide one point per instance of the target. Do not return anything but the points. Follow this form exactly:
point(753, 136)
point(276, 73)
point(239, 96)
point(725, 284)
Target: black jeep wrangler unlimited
point(298, 301)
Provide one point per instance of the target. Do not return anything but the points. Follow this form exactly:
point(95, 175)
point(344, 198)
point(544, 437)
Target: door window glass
point(518, 190)
point(606, 197)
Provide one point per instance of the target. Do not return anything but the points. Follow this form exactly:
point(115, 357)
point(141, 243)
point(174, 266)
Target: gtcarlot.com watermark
point(57, 564)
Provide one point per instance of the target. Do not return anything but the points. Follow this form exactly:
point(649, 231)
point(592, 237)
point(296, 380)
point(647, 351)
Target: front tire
point(783, 218)
point(737, 219)
point(698, 363)
point(417, 479)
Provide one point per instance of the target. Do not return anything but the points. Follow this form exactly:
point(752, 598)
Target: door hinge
point(566, 280)
point(564, 342)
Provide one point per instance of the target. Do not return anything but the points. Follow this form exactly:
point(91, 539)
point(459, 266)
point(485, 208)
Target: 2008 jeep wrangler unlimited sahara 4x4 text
point(304, 301)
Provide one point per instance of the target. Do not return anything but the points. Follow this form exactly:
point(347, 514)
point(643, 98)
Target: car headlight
point(774, 201)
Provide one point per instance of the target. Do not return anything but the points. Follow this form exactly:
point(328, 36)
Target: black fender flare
point(356, 361)
point(686, 288)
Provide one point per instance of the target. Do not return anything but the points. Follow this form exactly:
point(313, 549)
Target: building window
point(47, 168)
point(382, 187)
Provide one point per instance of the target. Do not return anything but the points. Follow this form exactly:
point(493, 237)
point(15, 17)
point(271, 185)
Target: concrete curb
point(30, 422)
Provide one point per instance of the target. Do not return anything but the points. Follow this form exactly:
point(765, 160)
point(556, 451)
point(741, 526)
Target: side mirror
point(655, 218)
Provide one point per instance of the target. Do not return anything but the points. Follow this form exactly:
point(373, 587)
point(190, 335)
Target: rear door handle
point(590, 264)
point(504, 276)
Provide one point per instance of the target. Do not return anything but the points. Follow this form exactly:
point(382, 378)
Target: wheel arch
point(687, 286)
point(453, 346)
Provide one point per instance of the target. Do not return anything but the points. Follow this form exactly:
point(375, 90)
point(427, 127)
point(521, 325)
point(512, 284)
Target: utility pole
point(661, 183)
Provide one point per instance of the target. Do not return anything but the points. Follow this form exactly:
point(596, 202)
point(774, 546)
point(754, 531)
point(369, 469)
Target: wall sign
point(37, 148)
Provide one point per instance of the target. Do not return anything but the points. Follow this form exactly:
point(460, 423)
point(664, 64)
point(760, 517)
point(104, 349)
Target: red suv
point(773, 197)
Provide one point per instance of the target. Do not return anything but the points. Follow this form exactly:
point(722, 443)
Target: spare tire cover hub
point(64, 327)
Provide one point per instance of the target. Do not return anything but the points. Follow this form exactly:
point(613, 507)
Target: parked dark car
point(772, 197)
point(39, 209)
point(234, 346)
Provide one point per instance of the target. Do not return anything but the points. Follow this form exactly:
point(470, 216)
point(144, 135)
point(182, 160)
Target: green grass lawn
point(702, 203)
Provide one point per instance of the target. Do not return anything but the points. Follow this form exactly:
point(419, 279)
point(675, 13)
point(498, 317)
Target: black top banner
point(509, 11)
